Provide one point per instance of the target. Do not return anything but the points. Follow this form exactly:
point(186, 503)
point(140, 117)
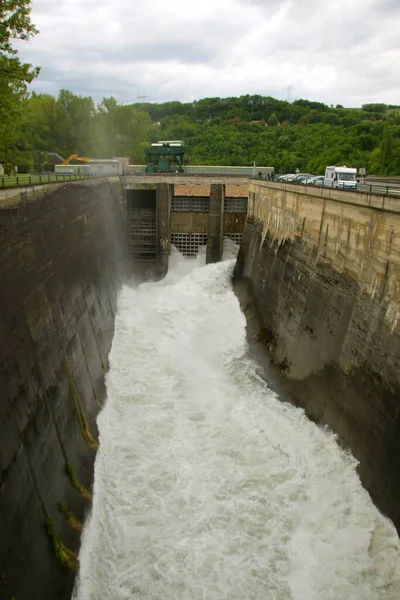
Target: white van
point(341, 177)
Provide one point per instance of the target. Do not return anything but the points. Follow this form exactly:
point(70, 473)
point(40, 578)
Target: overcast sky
point(336, 51)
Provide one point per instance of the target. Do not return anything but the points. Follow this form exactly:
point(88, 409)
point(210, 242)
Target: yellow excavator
point(84, 159)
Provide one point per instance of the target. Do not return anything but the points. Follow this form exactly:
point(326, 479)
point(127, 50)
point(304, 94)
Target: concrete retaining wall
point(63, 257)
point(324, 267)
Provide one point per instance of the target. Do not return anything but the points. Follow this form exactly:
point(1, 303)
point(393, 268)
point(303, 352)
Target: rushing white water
point(207, 486)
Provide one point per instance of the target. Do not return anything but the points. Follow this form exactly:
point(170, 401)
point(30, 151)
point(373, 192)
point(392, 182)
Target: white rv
point(341, 177)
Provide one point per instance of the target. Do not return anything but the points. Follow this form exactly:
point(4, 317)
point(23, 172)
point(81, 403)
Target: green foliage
point(374, 108)
point(304, 134)
point(120, 131)
point(217, 131)
point(15, 24)
point(273, 120)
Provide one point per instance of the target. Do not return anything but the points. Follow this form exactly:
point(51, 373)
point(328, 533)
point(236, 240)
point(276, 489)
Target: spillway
point(207, 484)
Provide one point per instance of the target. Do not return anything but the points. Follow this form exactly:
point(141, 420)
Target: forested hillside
point(217, 131)
point(225, 131)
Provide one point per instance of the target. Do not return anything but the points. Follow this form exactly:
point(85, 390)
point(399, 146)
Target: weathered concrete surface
point(189, 222)
point(132, 181)
point(63, 257)
point(215, 224)
point(231, 190)
point(234, 222)
point(191, 190)
point(163, 211)
point(324, 266)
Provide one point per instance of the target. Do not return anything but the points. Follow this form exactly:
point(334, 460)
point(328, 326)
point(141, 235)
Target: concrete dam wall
point(324, 268)
point(63, 257)
point(324, 273)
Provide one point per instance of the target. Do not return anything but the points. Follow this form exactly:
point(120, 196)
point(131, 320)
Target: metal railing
point(15, 181)
point(204, 170)
point(378, 189)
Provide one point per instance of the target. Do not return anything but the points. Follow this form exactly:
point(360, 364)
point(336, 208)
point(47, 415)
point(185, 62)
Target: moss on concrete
point(76, 483)
point(79, 410)
point(73, 521)
point(64, 555)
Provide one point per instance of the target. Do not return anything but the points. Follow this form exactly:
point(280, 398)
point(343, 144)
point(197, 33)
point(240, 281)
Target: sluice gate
point(187, 215)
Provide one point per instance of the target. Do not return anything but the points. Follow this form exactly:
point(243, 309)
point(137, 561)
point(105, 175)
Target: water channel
point(207, 485)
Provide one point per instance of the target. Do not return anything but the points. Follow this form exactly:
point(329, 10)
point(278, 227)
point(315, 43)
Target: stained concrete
point(163, 210)
point(215, 239)
point(324, 274)
point(64, 254)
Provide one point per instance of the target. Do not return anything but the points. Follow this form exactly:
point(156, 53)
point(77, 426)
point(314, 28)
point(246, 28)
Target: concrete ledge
point(386, 203)
point(13, 196)
point(130, 181)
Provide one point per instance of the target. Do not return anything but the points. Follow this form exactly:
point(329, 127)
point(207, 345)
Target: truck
point(341, 177)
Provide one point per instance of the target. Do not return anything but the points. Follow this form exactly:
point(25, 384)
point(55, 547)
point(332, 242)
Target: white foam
point(207, 486)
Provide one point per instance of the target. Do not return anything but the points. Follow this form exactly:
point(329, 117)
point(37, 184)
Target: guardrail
point(363, 188)
point(187, 174)
point(8, 182)
point(205, 170)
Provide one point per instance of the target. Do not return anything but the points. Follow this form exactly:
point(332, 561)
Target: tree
point(376, 107)
point(303, 120)
point(76, 119)
point(273, 120)
point(15, 24)
point(121, 130)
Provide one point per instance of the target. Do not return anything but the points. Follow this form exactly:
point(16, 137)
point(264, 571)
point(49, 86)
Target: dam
point(210, 480)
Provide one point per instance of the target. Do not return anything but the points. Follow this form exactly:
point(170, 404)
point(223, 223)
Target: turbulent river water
point(207, 485)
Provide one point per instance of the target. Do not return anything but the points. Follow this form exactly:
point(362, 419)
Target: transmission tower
point(141, 98)
point(289, 91)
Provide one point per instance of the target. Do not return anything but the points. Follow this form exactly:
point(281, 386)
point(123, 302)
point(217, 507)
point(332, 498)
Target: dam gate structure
point(185, 212)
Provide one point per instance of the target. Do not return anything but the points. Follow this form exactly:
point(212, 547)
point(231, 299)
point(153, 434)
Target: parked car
point(285, 177)
point(317, 180)
point(307, 180)
point(299, 177)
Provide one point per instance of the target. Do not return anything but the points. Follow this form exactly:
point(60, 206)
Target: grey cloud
point(389, 5)
point(51, 81)
point(147, 51)
point(135, 53)
point(264, 4)
point(337, 52)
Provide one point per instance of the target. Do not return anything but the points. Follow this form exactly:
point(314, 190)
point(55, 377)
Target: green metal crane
point(165, 157)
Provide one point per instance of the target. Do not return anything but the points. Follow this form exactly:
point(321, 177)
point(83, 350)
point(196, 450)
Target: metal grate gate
point(188, 243)
point(141, 226)
point(238, 205)
point(190, 204)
